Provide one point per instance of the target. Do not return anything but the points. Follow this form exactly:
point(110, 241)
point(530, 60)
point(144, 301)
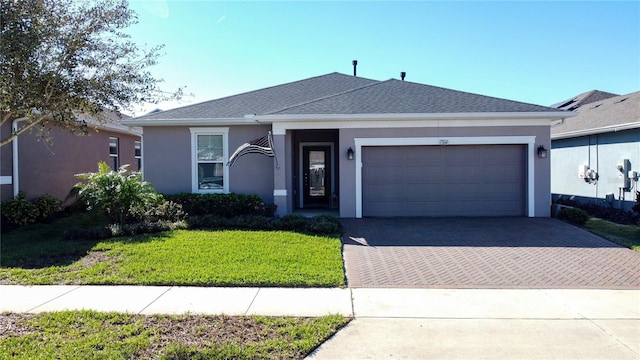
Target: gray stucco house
point(365, 147)
point(597, 152)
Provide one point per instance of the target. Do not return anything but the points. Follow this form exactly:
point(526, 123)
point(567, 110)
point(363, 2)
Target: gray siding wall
point(601, 153)
point(542, 186)
point(167, 161)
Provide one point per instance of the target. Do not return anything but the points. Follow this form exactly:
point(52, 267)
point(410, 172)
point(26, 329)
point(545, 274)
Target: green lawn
point(625, 235)
point(38, 255)
point(94, 335)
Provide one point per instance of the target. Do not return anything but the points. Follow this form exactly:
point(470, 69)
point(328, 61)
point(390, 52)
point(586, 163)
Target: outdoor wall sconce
point(542, 152)
point(350, 154)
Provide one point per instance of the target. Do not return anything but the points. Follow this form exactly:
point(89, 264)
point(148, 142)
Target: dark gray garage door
point(452, 180)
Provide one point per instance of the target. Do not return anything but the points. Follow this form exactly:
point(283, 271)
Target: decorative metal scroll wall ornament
point(263, 145)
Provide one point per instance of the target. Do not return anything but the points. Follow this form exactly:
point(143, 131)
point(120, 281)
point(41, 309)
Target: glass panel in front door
point(317, 173)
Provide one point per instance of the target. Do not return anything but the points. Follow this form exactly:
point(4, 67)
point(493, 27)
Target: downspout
point(15, 171)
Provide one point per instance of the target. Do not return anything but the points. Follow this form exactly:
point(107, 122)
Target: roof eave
point(269, 119)
point(599, 130)
point(551, 115)
point(190, 122)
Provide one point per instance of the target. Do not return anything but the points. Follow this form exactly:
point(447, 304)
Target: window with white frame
point(209, 156)
point(137, 153)
point(114, 149)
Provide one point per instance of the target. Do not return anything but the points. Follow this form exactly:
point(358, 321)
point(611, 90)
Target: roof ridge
point(475, 94)
point(377, 82)
point(245, 93)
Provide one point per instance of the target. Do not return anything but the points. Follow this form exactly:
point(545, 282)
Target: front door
point(316, 175)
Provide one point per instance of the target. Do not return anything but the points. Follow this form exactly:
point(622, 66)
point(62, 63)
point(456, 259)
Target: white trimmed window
point(137, 153)
point(114, 149)
point(209, 154)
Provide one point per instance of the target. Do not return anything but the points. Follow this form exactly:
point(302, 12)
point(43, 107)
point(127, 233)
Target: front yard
point(38, 255)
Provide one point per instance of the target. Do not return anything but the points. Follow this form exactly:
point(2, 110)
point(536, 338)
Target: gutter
point(270, 119)
point(15, 168)
point(415, 116)
point(247, 120)
point(594, 131)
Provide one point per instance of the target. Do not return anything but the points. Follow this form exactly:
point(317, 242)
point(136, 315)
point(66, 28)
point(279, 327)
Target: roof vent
point(402, 75)
point(355, 64)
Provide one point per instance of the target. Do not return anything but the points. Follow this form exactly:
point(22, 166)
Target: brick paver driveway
point(483, 253)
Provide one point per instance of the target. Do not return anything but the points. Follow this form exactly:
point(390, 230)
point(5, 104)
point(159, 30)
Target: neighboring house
point(593, 153)
point(44, 168)
point(367, 147)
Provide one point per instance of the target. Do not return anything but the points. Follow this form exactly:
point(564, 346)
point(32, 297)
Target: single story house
point(365, 147)
point(36, 167)
point(595, 156)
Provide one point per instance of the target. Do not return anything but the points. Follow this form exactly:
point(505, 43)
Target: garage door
point(452, 180)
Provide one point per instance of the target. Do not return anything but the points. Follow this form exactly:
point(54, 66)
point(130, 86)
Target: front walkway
point(478, 253)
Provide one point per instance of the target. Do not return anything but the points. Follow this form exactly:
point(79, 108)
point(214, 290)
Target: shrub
point(574, 216)
point(165, 211)
point(121, 195)
point(225, 205)
point(324, 224)
point(19, 211)
point(48, 207)
point(608, 212)
point(319, 225)
point(116, 230)
point(636, 207)
point(292, 222)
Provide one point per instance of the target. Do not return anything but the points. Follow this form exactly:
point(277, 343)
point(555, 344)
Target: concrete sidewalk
point(489, 324)
point(394, 323)
point(149, 300)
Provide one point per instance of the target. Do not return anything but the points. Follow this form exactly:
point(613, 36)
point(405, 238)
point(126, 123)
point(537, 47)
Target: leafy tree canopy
point(63, 58)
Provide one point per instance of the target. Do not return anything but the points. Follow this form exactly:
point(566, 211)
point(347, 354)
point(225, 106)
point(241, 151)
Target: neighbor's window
point(209, 151)
point(113, 152)
point(138, 153)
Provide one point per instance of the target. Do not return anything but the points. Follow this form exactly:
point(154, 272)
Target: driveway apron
point(494, 253)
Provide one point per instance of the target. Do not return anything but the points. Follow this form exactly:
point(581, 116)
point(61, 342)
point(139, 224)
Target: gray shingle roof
point(266, 100)
point(618, 110)
point(395, 96)
point(336, 93)
point(583, 99)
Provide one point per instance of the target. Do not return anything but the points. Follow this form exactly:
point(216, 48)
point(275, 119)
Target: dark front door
point(316, 175)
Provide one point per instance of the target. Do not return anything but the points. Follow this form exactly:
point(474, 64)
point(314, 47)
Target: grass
point(94, 335)
point(625, 235)
point(38, 255)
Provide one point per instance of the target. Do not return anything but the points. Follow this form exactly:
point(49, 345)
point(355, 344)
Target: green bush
point(324, 224)
point(48, 206)
point(292, 222)
point(319, 225)
point(19, 211)
point(121, 195)
point(116, 230)
point(225, 205)
point(164, 211)
point(573, 215)
point(636, 207)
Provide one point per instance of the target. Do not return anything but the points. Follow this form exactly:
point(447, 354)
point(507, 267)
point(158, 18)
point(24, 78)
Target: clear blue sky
point(539, 52)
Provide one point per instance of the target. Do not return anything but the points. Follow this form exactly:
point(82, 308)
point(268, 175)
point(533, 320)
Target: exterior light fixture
point(350, 154)
point(542, 152)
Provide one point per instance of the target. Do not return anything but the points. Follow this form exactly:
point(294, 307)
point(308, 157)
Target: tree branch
point(21, 130)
